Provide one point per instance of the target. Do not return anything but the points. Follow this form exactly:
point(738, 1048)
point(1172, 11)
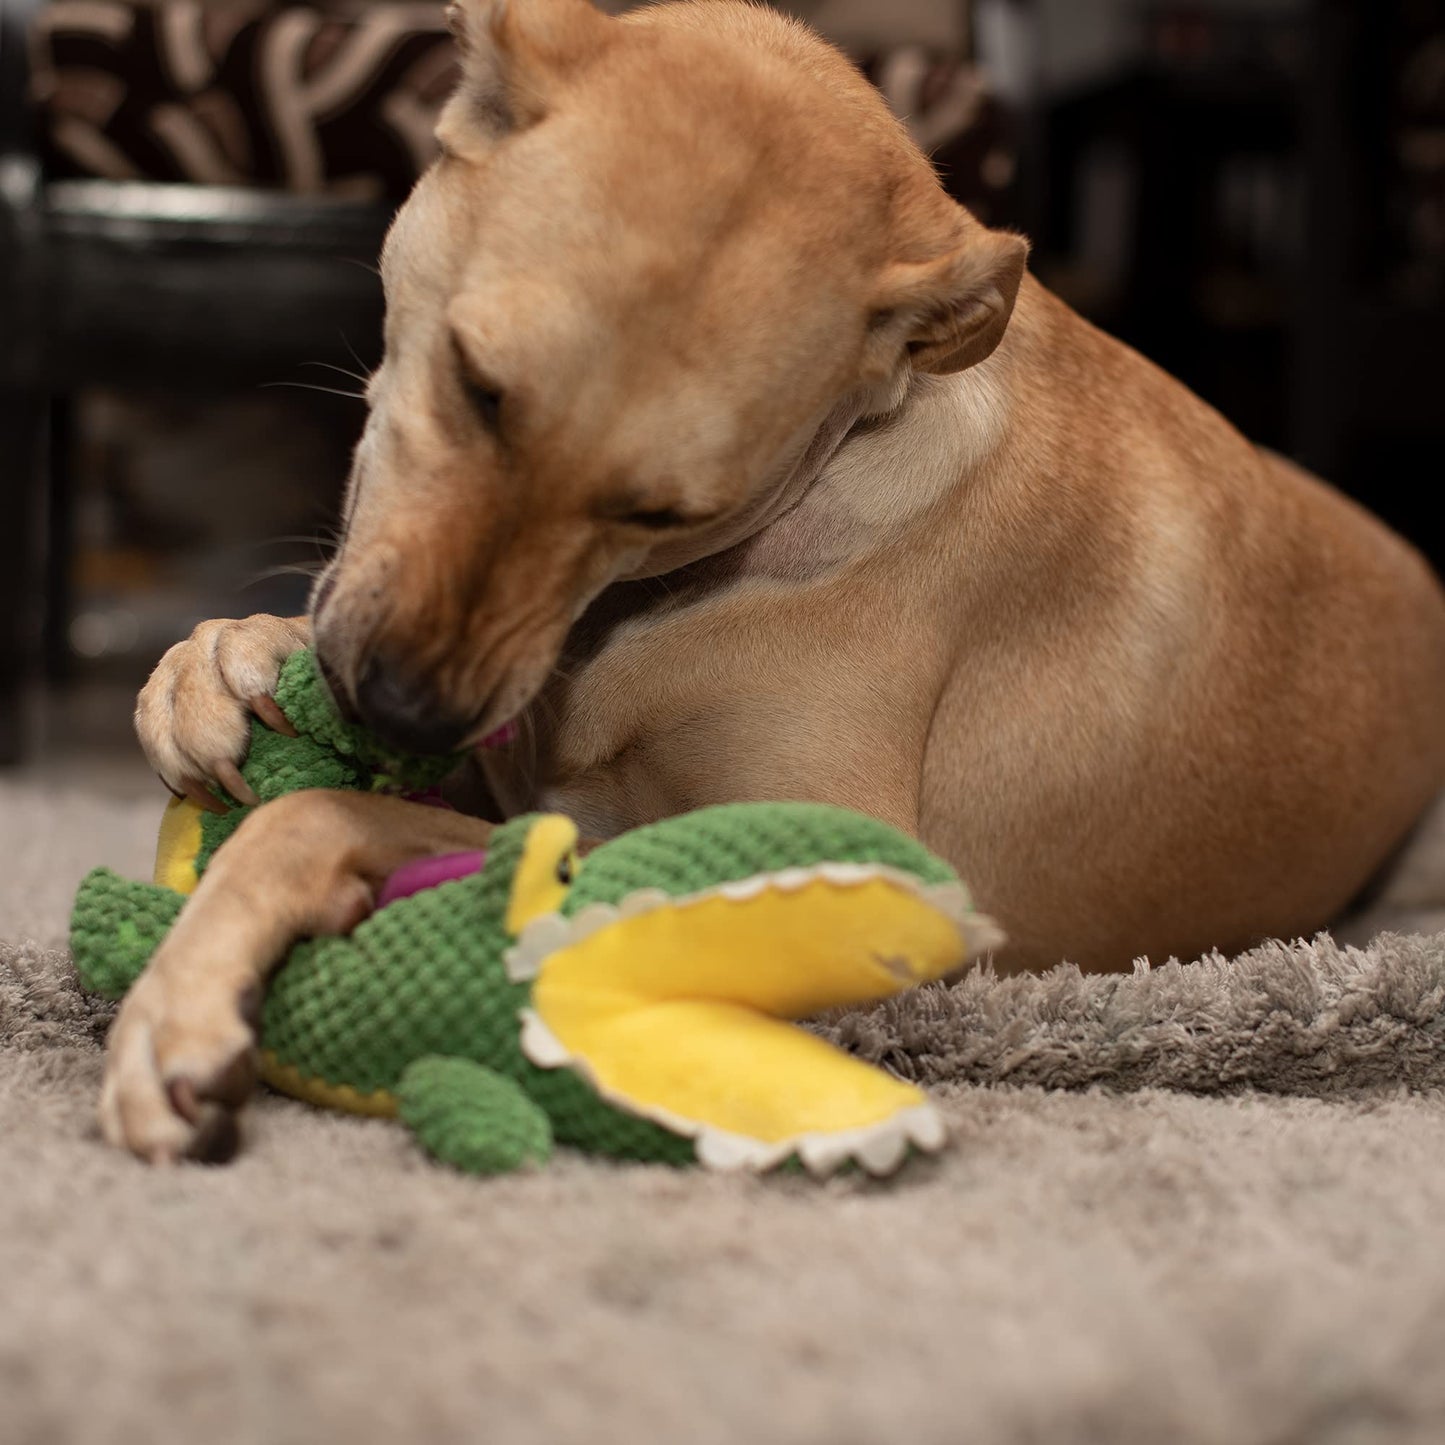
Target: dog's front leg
point(181, 1057)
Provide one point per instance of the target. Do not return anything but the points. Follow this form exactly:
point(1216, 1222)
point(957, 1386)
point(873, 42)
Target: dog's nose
point(403, 714)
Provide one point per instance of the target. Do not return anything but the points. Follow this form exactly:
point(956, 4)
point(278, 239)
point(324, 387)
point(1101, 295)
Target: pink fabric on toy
point(429, 873)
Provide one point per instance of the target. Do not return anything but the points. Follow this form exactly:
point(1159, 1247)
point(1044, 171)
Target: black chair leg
point(24, 417)
point(59, 533)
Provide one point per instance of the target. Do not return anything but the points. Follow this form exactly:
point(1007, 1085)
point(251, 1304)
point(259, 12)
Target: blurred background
point(193, 194)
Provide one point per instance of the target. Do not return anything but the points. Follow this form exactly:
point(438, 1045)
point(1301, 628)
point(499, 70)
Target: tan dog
point(685, 341)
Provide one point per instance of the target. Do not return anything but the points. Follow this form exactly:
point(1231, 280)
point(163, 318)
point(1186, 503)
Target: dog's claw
point(232, 1084)
point(182, 1094)
point(217, 1138)
point(228, 775)
point(266, 709)
point(196, 712)
point(249, 1006)
point(202, 797)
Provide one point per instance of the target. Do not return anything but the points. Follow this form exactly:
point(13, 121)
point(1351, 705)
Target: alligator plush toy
point(637, 1004)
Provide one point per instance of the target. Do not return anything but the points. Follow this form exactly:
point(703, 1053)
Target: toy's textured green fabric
point(416, 1002)
point(740, 840)
point(472, 1117)
point(329, 753)
point(303, 697)
point(115, 926)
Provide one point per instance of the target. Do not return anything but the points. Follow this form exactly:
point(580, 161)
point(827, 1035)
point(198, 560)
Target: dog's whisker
point(340, 370)
point(327, 538)
point(528, 722)
point(282, 569)
point(311, 386)
point(306, 539)
point(346, 342)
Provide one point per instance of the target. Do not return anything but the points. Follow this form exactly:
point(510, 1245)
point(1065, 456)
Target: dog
point(716, 442)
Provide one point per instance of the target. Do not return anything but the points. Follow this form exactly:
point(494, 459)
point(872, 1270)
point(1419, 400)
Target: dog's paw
point(193, 717)
point(179, 1065)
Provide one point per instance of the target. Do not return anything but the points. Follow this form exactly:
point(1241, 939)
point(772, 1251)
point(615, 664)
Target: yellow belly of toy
point(288, 1079)
point(178, 846)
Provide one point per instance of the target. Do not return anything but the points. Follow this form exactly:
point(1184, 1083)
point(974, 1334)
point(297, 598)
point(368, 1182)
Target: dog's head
point(654, 256)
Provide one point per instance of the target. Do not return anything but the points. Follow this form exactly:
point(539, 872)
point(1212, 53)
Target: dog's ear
point(514, 55)
point(951, 311)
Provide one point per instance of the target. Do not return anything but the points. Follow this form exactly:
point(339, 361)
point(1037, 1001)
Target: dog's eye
point(629, 510)
point(656, 519)
point(482, 394)
point(485, 401)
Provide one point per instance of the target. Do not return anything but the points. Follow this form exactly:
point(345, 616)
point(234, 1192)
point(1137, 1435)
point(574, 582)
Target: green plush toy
point(638, 1004)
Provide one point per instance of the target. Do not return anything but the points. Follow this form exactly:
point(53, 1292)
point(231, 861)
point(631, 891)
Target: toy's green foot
point(115, 927)
point(470, 1117)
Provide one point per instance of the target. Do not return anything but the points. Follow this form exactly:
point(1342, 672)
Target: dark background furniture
point(190, 288)
point(1368, 403)
point(1256, 200)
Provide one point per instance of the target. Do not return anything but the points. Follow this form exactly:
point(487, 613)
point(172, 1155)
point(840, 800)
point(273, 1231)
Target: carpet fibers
point(1195, 1204)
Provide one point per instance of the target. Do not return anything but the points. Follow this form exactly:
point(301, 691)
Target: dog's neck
point(872, 473)
point(872, 469)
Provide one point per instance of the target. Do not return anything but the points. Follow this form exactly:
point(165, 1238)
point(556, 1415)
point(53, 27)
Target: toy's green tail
point(115, 926)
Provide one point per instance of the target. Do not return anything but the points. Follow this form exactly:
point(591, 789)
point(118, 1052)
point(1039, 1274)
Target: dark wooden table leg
point(23, 420)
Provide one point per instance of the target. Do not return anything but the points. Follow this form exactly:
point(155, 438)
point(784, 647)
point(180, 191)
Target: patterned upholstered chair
point(181, 182)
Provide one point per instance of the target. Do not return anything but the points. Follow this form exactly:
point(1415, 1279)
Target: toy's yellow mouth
point(675, 1008)
point(549, 864)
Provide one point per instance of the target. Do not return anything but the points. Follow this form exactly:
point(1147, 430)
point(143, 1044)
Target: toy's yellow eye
point(548, 866)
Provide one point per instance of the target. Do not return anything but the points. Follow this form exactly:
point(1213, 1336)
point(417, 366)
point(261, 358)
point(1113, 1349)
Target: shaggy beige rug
point(1201, 1204)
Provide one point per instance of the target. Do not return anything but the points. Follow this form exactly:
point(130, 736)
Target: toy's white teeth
point(542, 936)
point(730, 1153)
point(879, 1149)
point(644, 900)
point(981, 934)
point(552, 932)
point(541, 1045)
point(926, 1129)
point(588, 920)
